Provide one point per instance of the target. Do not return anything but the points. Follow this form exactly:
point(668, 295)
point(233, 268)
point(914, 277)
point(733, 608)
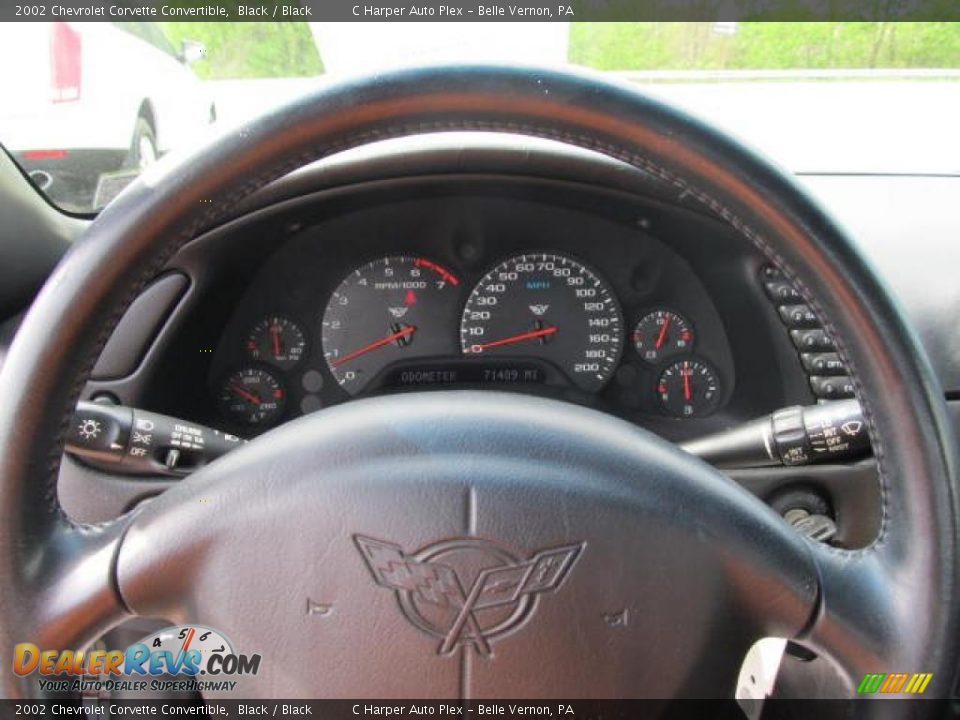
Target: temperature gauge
point(278, 341)
point(252, 396)
point(661, 335)
point(689, 388)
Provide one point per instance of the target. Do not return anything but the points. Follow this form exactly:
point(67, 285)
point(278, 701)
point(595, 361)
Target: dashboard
point(645, 311)
point(428, 266)
point(472, 291)
point(448, 265)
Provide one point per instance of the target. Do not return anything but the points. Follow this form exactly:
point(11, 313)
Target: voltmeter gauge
point(661, 335)
point(689, 388)
point(252, 396)
point(278, 341)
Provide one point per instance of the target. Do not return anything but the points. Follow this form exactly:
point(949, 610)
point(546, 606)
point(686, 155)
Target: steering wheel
point(468, 543)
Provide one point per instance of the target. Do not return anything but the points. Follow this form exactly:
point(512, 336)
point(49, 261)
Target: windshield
point(93, 103)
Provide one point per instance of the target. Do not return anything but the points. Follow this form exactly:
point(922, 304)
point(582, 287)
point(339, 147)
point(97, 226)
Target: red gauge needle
point(687, 391)
point(408, 330)
point(245, 394)
point(542, 332)
point(275, 331)
point(663, 333)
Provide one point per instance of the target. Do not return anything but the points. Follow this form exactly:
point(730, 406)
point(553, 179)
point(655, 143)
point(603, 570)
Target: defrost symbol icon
point(466, 591)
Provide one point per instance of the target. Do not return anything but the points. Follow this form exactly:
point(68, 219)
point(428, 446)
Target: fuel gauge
point(661, 335)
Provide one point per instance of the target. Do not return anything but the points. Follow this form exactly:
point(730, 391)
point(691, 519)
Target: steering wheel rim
point(892, 603)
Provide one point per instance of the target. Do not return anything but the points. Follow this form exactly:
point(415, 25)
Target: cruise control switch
point(134, 442)
point(829, 432)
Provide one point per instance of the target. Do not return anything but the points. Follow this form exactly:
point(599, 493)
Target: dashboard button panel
point(834, 387)
point(798, 316)
point(825, 370)
point(828, 363)
point(781, 291)
point(812, 340)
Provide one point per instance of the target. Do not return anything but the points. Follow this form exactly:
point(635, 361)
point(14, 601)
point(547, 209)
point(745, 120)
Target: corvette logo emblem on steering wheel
point(466, 591)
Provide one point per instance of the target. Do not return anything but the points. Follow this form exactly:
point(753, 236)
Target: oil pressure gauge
point(278, 341)
point(689, 388)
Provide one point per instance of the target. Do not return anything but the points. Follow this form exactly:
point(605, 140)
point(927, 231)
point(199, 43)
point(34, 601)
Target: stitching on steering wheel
point(355, 140)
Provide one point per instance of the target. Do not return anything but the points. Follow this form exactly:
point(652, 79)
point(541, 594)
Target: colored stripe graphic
point(893, 683)
point(871, 682)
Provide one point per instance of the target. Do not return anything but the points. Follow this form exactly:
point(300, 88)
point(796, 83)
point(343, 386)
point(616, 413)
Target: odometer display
point(549, 307)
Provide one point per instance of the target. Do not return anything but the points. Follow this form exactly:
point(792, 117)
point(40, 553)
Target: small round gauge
point(278, 341)
point(393, 309)
point(546, 306)
point(689, 388)
point(252, 396)
point(661, 335)
point(202, 641)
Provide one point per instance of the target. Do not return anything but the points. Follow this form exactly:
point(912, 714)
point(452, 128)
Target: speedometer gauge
point(391, 310)
point(549, 307)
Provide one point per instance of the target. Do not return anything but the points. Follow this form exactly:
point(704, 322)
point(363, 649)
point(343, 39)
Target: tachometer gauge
point(550, 307)
point(661, 335)
point(278, 341)
point(202, 641)
point(689, 388)
point(392, 309)
point(252, 396)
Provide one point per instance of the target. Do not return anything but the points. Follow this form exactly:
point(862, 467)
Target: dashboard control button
point(798, 316)
point(823, 363)
point(783, 292)
point(769, 272)
point(312, 381)
point(832, 387)
point(812, 340)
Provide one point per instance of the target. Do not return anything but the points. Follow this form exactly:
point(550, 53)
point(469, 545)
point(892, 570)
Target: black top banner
point(478, 10)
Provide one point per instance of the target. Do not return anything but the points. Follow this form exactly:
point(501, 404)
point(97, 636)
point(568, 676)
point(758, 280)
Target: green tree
point(250, 49)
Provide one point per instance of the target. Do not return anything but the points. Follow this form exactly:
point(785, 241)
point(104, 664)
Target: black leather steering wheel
point(388, 512)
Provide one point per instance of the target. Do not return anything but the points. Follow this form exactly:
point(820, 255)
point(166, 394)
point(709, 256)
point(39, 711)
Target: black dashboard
point(643, 310)
point(383, 273)
point(473, 290)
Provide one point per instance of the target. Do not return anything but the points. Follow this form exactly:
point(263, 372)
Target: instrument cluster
point(536, 321)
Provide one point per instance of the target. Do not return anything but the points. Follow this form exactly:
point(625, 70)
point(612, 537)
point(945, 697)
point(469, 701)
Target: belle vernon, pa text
point(465, 11)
